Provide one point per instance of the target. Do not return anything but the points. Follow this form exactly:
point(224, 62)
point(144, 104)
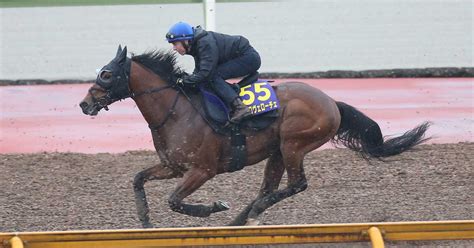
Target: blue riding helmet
point(180, 31)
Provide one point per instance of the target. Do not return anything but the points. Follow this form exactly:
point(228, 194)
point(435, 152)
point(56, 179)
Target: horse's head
point(111, 84)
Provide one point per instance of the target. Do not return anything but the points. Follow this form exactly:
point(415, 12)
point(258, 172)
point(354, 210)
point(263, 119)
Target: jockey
point(217, 57)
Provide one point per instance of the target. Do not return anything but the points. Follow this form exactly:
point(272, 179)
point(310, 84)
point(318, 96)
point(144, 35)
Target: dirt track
point(65, 191)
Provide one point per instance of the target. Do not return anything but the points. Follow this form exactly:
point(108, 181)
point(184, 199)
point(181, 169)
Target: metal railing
point(375, 233)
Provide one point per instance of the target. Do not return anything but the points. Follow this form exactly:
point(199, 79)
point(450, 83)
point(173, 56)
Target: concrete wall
point(292, 36)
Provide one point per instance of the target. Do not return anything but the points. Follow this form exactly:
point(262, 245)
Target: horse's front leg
point(157, 172)
point(192, 180)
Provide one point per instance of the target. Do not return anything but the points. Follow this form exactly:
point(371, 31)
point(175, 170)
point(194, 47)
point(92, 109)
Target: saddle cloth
point(259, 96)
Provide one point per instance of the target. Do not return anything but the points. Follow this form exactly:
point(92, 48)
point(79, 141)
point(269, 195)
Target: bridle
point(100, 102)
point(120, 90)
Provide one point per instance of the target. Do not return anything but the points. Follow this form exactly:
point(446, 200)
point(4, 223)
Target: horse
point(189, 149)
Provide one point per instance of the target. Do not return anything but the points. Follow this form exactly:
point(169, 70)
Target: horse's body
point(190, 149)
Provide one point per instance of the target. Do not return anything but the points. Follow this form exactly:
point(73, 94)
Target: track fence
point(375, 233)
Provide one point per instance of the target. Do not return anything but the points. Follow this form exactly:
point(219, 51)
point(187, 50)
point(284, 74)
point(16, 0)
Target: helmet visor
point(172, 37)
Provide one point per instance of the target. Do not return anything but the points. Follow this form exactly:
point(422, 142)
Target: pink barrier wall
point(47, 118)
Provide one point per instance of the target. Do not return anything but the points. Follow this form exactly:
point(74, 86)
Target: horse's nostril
point(83, 105)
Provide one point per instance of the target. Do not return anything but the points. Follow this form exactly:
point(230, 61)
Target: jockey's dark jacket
point(211, 49)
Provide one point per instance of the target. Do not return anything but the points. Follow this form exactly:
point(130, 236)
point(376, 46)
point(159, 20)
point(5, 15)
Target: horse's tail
point(362, 134)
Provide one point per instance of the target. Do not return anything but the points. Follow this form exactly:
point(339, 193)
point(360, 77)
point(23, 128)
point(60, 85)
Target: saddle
point(262, 101)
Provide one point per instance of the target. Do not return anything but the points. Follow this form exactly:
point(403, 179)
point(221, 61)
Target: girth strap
point(239, 149)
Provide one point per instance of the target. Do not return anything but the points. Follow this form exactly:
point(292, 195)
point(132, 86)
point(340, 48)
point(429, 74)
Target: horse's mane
point(161, 62)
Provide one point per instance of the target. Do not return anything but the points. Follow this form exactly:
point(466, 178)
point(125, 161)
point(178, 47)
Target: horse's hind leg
point(273, 173)
point(293, 162)
point(192, 180)
point(157, 172)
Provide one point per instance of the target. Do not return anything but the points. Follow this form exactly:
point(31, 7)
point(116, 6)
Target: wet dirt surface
point(73, 191)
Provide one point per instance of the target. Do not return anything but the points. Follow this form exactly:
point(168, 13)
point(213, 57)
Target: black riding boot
point(241, 111)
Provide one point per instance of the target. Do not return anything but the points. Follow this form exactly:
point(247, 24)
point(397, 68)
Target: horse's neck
point(153, 106)
point(142, 78)
point(174, 129)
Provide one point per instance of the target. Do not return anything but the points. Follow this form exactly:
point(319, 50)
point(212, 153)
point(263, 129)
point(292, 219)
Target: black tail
point(361, 134)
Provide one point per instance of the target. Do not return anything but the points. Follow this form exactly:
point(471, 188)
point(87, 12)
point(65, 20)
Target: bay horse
point(189, 149)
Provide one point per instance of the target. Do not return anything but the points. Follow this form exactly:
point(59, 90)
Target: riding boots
point(241, 111)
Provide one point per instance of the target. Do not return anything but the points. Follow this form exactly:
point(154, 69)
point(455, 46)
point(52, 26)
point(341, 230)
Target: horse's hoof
point(233, 223)
point(221, 206)
point(252, 222)
point(147, 225)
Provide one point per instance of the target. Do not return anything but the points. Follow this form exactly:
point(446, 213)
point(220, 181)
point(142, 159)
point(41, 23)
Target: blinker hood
point(117, 86)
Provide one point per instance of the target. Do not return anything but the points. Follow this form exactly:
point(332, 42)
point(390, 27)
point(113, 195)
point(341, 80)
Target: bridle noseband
point(100, 102)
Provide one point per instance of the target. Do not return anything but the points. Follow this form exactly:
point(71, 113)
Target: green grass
point(47, 3)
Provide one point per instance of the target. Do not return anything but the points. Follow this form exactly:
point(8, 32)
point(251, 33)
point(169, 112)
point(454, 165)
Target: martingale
point(259, 97)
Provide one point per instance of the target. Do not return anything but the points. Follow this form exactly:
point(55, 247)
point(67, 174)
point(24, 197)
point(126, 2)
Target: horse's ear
point(123, 55)
point(119, 50)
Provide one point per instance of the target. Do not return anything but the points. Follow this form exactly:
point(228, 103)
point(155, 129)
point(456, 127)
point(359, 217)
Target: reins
point(128, 93)
point(194, 107)
point(149, 91)
point(170, 111)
